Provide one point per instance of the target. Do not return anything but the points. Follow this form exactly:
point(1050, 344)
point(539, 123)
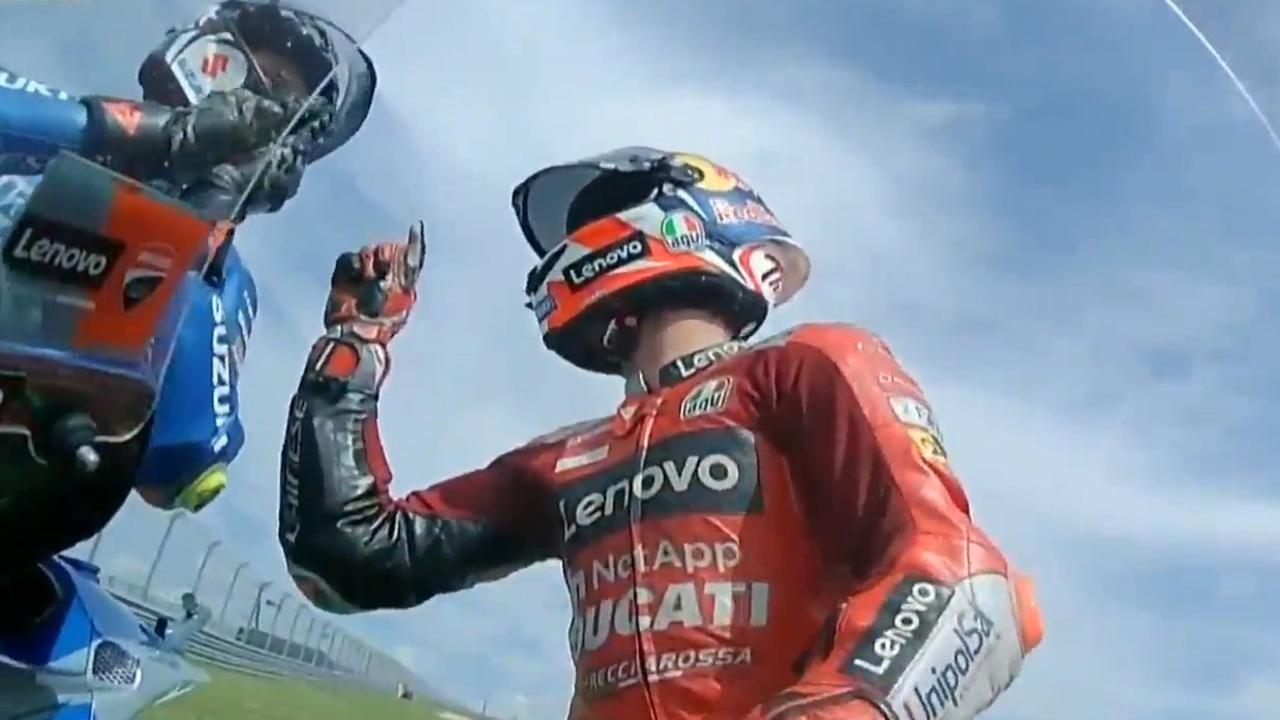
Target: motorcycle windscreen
point(1238, 38)
point(96, 269)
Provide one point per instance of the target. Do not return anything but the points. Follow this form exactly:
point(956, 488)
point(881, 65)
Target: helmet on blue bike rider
point(274, 51)
point(270, 49)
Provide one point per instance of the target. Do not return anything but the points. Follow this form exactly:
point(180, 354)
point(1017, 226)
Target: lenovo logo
point(903, 624)
point(591, 266)
point(61, 253)
point(706, 472)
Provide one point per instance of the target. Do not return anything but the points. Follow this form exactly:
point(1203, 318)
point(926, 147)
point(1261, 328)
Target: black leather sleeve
point(350, 545)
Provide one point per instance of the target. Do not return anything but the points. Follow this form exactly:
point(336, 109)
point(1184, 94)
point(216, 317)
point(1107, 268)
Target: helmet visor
point(295, 53)
point(547, 202)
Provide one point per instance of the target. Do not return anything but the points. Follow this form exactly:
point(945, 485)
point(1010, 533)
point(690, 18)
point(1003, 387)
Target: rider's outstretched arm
point(934, 622)
point(350, 544)
point(143, 139)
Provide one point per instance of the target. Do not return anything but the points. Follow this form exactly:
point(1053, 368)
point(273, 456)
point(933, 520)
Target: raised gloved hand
point(149, 140)
point(372, 291)
point(224, 124)
point(371, 294)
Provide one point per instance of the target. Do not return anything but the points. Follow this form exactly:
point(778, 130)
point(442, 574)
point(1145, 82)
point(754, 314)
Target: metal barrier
point(256, 627)
point(212, 647)
point(254, 652)
point(333, 655)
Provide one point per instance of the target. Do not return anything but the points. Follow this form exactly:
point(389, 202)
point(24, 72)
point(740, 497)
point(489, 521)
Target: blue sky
point(1060, 214)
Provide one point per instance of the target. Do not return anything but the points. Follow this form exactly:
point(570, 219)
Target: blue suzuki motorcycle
point(125, 310)
point(89, 657)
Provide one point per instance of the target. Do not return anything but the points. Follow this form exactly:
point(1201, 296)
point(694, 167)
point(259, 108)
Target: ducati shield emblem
point(152, 266)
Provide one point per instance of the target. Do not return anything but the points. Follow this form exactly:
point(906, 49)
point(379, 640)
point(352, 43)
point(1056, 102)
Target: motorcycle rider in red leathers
point(758, 531)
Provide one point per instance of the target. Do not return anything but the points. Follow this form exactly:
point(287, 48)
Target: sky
point(1057, 213)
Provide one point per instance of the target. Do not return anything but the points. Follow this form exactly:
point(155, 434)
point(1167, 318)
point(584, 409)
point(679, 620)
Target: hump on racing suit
point(196, 430)
point(773, 532)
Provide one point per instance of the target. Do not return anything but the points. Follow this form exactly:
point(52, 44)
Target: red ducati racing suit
point(774, 532)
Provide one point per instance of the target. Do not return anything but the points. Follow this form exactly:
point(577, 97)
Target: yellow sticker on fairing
point(205, 488)
point(929, 445)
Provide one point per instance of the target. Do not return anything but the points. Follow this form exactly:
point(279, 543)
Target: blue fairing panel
point(197, 419)
point(36, 121)
point(76, 712)
point(68, 630)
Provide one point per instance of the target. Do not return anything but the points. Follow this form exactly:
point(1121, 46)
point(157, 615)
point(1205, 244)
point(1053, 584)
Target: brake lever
point(415, 256)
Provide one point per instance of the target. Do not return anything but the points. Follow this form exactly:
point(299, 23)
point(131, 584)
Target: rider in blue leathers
point(42, 509)
point(203, 144)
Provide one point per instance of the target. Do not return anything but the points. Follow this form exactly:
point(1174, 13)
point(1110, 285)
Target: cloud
point(1098, 369)
point(1061, 218)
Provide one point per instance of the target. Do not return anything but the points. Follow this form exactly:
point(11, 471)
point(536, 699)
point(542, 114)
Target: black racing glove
point(260, 183)
point(147, 140)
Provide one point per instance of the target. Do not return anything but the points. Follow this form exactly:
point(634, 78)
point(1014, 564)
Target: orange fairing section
point(151, 229)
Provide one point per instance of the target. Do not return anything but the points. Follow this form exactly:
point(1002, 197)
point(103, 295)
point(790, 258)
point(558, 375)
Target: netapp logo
point(61, 253)
point(700, 472)
point(586, 269)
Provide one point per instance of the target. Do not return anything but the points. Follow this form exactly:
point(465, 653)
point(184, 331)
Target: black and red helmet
point(638, 230)
point(274, 50)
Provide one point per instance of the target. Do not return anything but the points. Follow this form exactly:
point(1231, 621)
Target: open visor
point(554, 202)
point(544, 202)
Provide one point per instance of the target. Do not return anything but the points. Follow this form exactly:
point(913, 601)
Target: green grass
point(232, 696)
